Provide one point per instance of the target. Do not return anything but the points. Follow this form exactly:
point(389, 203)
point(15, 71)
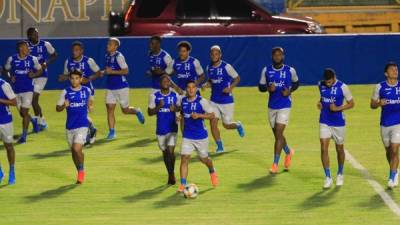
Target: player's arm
point(122, 64)
point(235, 76)
point(11, 99)
point(38, 69)
point(7, 69)
point(158, 71)
point(91, 104)
point(62, 102)
point(64, 76)
point(200, 73)
point(176, 88)
point(95, 68)
point(349, 101)
point(209, 112)
point(170, 68)
point(52, 52)
point(153, 108)
point(376, 101)
point(263, 84)
point(295, 80)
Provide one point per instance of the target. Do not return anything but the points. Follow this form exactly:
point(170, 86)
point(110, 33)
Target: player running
point(90, 72)
point(7, 98)
point(280, 81)
point(195, 110)
point(387, 96)
point(46, 54)
point(117, 86)
point(333, 94)
point(159, 60)
point(22, 68)
point(163, 104)
point(77, 100)
point(222, 78)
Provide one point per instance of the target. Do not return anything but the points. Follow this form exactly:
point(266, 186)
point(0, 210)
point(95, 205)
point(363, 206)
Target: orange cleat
point(181, 188)
point(81, 177)
point(274, 169)
point(214, 179)
point(288, 159)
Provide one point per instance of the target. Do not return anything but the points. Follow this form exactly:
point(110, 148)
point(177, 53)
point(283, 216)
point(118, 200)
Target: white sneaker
point(328, 182)
point(396, 179)
point(339, 180)
point(391, 184)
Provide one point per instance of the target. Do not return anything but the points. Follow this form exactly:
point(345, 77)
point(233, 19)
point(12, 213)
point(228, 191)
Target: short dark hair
point(77, 43)
point(190, 82)
point(30, 30)
point(277, 49)
point(75, 72)
point(164, 77)
point(329, 73)
point(390, 64)
point(185, 44)
point(20, 43)
point(155, 38)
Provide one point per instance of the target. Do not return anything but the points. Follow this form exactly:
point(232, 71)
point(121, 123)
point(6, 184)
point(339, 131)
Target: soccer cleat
point(391, 184)
point(43, 126)
point(181, 188)
point(288, 159)
point(328, 182)
point(22, 140)
point(35, 124)
point(81, 177)
point(11, 178)
point(274, 169)
point(214, 178)
point(111, 136)
point(339, 180)
point(171, 180)
point(140, 116)
point(240, 129)
point(396, 179)
point(220, 147)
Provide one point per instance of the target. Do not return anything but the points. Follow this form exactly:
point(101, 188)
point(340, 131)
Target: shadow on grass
point(53, 193)
point(320, 199)
point(3, 186)
point(59, 153)
point(374, 202)
point(139, 143)
point(177, 199)
point(146, 194)
point(259, 183)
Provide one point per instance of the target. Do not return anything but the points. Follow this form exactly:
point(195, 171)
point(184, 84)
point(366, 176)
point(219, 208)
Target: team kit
point(176, 102)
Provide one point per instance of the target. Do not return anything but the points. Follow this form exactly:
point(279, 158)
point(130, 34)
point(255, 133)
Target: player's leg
point(187, 148)
point(171, 143)
point(111, 121)
point(216, 134)
point(227, 111)
point(91, 134)
point(325, 134)
point(39, 84)
point(201, 147)
point(338, 136)
point(11, 162)
point(278, 145)
point(394, 165)
point(79, 138)
point(24, 113)
point(122, 96)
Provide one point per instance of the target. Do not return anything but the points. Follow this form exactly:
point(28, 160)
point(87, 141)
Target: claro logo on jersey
point(77, 104)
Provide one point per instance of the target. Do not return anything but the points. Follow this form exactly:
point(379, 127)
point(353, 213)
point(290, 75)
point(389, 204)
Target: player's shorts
point(190, 145)
point(224, 111)
point(7, 132)
point(336, 133)
point(167, 140)
point(39, 84)
point(280, 116)
point(120, 96)
point(390, 135)
point(24, 100)
point(77, 136)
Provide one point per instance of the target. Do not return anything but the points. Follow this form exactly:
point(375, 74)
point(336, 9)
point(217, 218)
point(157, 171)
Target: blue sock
point(219, 144)
point(327, 172)
point(183, 181)
point(286, 149)
point(24, 132)
point(1, 173)
point(12, 169)
point(276, 159)
point(340, 169)
point(392, 174)
point(112, 131)
point(211, 170)
point(80, 167)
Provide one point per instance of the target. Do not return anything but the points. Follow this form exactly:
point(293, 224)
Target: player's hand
point(319, 105)
point(286, 92)
point(158, 71)
point(195, 116)
point(335, 108)
point(31, 74)
point(271, 88)
point(205, 85)
point(44, 65)
point(227, 90)
point(382, 102)
point(172, 107)
point(90, 108)
point(108, 70)
point(161, 103)
point(66, 103)
point(62, 78)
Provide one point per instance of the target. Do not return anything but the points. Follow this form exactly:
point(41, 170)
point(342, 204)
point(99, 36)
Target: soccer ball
point(190, 191)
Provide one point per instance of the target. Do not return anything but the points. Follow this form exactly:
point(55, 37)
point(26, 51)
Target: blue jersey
point(6, 93)
point(336, 94)
point(20, 68)
point(282, 78)
point(86, 65)
point(77, 111)
point(42, 50)
point(166, 120)
point(116, 61)
point(161, 60)
point(188, 70)
point(221, 77)
point(390, 114)
point(194, 129)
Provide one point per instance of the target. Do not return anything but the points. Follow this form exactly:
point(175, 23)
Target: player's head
point(165, 82)
point(32, 34)
point(391, 70)
point(278, 55)
point(191, 88)
point(155, 43)
point(329, 77)
point(77, 49)
point(184, 48)
point(22, 48)
point(75, 77)
point(113, 44)
point(215, 53)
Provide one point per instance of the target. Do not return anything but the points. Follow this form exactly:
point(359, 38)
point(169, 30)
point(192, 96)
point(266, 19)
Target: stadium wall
point(357, 59)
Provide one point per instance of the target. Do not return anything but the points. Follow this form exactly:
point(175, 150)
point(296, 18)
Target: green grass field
point(125, 182)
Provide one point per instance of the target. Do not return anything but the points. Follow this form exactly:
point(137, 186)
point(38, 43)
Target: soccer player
point(280, 81)
point(90, 72)
point(46, 54)
point(77, 100)
point(117, 86)
point(335, 98)
point(22, 68)
point(222, 78)
point(159, 60)
point(7, 98)
point(386, 96)
point(194, 110)
point(163, 103)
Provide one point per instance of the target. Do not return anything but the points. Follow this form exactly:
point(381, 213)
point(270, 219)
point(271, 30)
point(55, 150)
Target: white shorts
point(167, 140)
point(120, 96)
point(336, 133)
point(390, 135)
point(7, 132)
point(24, 100)
point(39, 84)
point(224, 112)
point(189, 145)
point(77, 136)
point(280, 116)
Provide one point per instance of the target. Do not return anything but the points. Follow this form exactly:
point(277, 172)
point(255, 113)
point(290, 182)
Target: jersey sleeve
point(50, 49)
point(168, 60)
point(36, 63)
point(170, 67)
point(231, 71)
point(7, 66)
point(206, 106)
point(93, 66)
point(263, 80)
point(121, 61)
point(198, 68)
point(179, 100)
point(295, 78)
point(6, 87)
point(346, 92)
point(66, 67)
point(152, 101)
point(61, 100)
point(375, 94)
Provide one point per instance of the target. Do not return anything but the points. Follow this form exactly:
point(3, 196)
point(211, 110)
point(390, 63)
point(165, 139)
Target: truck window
point(194, 9)
point(151, 8)
point(228, 9)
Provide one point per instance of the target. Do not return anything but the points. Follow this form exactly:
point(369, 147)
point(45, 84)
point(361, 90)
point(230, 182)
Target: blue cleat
point(1, 175)
point(220, 147)
point(111, 135)
point(11, 178)
point(35, 124)
point(22, 140)
point(240, 129)
point(43, 126)
point(140, 116)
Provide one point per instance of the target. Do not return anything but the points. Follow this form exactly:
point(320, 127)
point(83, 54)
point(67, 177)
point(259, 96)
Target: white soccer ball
point(190, 191)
